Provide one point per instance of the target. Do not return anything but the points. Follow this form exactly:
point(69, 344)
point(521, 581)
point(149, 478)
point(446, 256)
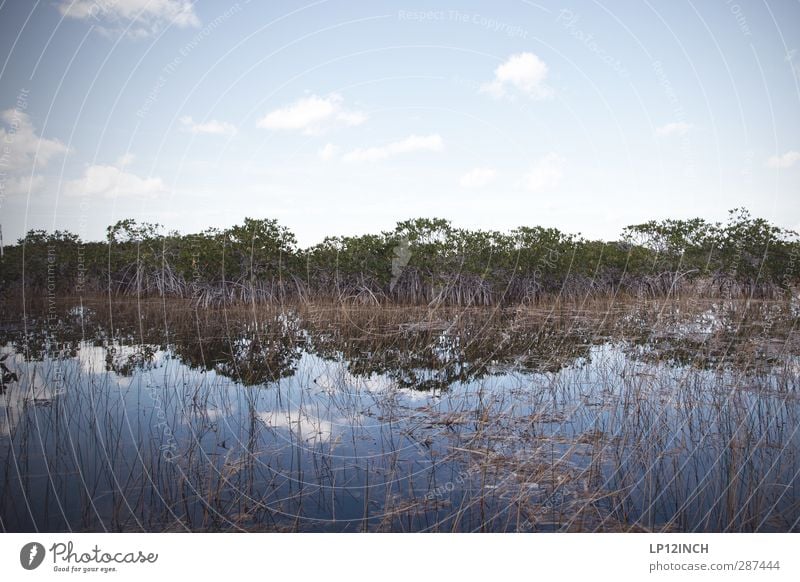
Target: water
point(291, 420)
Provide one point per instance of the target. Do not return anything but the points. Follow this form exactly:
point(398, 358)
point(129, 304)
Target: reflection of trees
point(42, 338)
point(6, 376)
point(247, 353)
point(124, 360)
point(250, 357)
point(723, 348)
point(747, 336)
point(425, 360)
point(410, 348)
point(243, 351)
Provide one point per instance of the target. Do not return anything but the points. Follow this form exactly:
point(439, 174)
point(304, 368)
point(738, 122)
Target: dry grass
point(602, 415)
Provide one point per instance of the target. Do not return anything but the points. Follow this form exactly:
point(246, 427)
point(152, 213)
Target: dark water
point(642, 417)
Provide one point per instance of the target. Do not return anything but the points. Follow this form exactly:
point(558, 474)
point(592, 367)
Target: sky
point(343, 118)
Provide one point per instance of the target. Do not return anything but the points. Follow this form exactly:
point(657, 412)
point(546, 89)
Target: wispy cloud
point(546, 173)
point(112, 181)
point(523, 73)
point(477, 178)
point(212, 127)
point(312, 115)
point(674, 128)
point(413, 143)
point(138, 18)
point(786, 160)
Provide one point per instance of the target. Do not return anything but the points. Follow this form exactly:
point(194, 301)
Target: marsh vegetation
point(419, 262)
point(156, 414)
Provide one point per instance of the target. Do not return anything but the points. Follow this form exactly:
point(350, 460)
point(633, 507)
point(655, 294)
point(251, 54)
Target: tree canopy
point(421, 260)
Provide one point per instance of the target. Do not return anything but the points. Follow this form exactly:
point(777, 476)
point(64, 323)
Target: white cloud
point(351, 117)
point(786, 160)
point(413, 143)
point(22, 185)
point(675, 128)
point(21, 150)
point(546, 173)
point(524, 73)
point(477, 178)
point(328, 152)
point(312, 115)
point(113, 181)
point(212, 126)
point(22, 145)
point(137, 17)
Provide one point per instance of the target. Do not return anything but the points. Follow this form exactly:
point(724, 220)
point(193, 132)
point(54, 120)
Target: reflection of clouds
point(37, 383)
point(212, 414)
point(11, 404)
point(94, 359)
point(12, 400)
point(209, 413)
point(303, 425)
point(124, 381)
point(339, 379)
point(335, 379)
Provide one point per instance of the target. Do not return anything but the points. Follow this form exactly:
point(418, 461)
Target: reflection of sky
point(37, 381)
point(305, 426)
point(94, 360)
point(355, 423)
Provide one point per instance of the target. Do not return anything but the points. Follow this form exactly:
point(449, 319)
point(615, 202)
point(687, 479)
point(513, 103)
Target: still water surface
point(459, 421)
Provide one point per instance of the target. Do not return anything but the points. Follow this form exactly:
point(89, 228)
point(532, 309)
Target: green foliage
point(421, 260)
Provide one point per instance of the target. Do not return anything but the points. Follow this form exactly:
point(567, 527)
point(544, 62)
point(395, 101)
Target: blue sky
point(343, 118)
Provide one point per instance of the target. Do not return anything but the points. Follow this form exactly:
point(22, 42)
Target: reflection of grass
point(607, 417)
